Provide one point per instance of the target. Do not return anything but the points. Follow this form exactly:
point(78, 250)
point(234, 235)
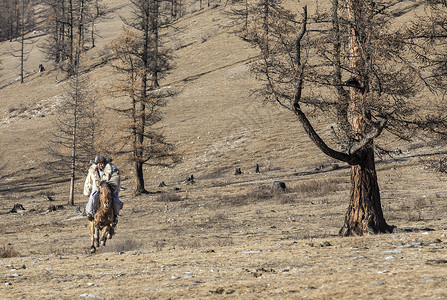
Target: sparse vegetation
point(168, 197)
point(8, 251)
point(123, 245)
point(316, 188)
point(225, 235)
point(17, 110)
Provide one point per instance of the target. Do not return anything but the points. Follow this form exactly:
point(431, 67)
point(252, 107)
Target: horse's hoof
point(92, 250)
point(103, 243)
point(109, 235)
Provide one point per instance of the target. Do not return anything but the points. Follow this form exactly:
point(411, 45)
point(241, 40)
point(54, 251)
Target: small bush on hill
point(8, 251)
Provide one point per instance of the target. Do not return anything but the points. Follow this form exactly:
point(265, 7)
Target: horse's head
point(105, 194)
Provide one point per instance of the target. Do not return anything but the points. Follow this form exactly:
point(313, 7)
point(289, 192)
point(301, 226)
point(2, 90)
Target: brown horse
point(101, 225)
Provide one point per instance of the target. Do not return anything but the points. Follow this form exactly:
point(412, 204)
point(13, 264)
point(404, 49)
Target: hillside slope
point(215, 121)
point(224, 236)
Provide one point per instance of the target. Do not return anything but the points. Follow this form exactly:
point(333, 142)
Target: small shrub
point(218, 217)
point(16, 110)
point(169, 197)
point(262, 192)
point(8, 251)
point(216, 174)
point(318, 187)
point(123, 246)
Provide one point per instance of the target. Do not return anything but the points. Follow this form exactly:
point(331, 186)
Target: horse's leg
point(96, 236)
point(110, 232)
point(92, 234)
point(104, 235)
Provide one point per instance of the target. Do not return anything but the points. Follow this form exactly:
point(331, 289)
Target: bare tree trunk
point(81, 28)
point(141, 116)
point(93, 34)
point(364, 213)
point(22, 55)
point(139, 181)
point(22, 40)
point(71, 35)
point(75, 128)
point(74, 141)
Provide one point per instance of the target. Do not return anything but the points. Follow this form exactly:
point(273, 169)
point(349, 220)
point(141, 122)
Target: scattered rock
point(53, 207)
point(90, 296)
point(209, 251)
point(218, 291)
point(393, 251)
point(326, 244)
point(252, 252)
point(238, 171)
point(221, 291)
point(17, 268)
point(436, 261)
point(260, 271)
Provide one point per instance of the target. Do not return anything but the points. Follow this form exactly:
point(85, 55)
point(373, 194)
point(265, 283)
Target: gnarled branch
point(350, 159)
point(378, 127)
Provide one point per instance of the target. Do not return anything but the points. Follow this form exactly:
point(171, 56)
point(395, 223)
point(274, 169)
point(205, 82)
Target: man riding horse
point(102, 171)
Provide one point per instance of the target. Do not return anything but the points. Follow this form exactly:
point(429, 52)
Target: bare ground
point(224, 236)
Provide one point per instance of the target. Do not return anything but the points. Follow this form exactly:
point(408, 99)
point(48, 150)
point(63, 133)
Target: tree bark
point(139, 179)
point(364, 214)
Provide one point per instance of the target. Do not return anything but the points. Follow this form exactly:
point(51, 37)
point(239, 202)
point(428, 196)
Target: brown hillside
point(225, 236)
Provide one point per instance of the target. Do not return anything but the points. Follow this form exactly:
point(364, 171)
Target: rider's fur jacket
point(110, 174)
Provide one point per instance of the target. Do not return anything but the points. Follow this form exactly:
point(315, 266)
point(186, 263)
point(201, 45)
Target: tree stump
point(279, 186)
point(443, 164)
point(189, 180)
point(16, 208)
point(53, 207)
point(162, 184)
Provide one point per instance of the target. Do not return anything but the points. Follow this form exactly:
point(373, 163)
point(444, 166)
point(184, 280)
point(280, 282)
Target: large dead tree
point(378, 74)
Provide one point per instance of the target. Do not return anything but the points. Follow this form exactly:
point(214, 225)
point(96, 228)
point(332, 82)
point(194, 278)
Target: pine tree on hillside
point(68, 25)
point(25, 24)
point(140, 56)
point(74, 139)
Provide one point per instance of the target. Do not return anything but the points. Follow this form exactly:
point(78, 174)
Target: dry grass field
point(224, 236)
